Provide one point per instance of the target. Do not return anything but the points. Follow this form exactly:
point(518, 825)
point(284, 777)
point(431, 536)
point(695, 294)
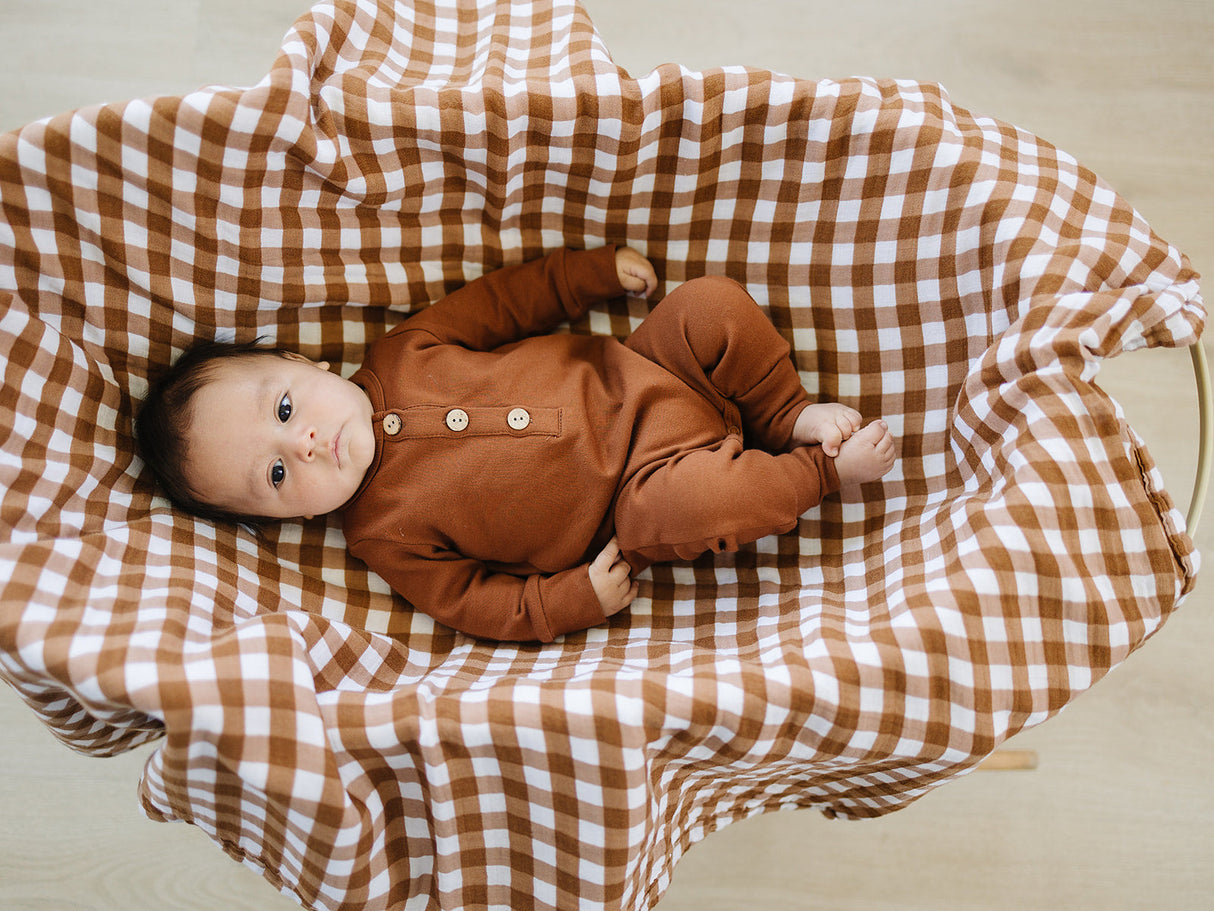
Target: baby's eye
point(278, 472)
point(284, 409)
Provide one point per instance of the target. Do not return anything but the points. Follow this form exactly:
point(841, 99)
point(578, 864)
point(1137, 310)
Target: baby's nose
point(307, 444)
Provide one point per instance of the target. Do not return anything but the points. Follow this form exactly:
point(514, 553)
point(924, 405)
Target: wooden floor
point(1119, 813)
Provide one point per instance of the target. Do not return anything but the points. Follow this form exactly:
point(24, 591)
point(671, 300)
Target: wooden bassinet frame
point(1205, 443)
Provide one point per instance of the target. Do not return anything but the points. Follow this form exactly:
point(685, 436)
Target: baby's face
point(279, 437)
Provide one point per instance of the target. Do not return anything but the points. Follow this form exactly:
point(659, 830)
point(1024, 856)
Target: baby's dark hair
point(163, 421)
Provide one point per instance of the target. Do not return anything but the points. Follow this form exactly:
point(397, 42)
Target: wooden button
point(392, 424)
point(457, 419)
point(518, 419)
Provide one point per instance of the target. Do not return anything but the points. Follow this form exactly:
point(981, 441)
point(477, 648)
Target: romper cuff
point(566, 604)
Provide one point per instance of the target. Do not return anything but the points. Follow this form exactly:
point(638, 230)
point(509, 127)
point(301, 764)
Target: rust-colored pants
point(716, 492)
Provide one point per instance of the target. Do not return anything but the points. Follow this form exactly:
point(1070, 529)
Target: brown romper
point(506, 459)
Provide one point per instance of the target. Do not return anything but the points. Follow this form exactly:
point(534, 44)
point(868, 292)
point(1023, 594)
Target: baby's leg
point(712, 335)
point(867, 455)
point(718, 498)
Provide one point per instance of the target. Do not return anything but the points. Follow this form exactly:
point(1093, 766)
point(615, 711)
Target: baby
point(509, 482)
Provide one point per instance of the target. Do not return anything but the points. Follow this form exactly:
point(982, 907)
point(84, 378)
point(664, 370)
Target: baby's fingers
point(635, 272)
point(607, 556)
point(832, 438)
point(848, 420)
point(644, 282)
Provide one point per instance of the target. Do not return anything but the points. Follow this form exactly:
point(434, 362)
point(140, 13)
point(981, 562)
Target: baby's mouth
point(336, 449)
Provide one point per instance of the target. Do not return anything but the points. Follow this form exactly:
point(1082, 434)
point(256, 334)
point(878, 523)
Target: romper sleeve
point(516, 302)
point(468, 596)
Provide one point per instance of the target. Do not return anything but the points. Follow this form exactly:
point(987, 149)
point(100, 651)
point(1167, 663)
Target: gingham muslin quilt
point(955, 275)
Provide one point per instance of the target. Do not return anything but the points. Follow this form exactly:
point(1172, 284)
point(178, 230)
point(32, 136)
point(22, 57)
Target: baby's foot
point(866, 455)
point(828, 423)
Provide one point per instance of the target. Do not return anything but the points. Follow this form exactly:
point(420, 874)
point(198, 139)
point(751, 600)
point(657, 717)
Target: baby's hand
point(611, 579)
point(828, 423)
point(635, 272)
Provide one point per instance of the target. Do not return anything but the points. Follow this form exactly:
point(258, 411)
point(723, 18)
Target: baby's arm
point(469, 596)
point(532, 298)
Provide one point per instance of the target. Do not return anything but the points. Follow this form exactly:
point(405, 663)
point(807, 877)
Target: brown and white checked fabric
point(955, 275)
